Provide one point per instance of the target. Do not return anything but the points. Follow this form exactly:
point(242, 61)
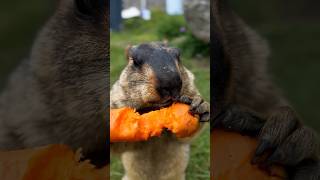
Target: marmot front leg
point(197, 106)
point(290, 142)
point(240, 119)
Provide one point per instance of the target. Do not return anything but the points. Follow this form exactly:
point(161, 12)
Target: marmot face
point(152, 77)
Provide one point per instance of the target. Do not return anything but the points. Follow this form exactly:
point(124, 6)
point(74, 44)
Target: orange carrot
point(49, 162)
point(231, 155)
point(126, 125)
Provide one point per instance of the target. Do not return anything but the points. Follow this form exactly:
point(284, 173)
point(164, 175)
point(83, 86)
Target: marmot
point(245, 99)
point(153, 78)
point(60, 93)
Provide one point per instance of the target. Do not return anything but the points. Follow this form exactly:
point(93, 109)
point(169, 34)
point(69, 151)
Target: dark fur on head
point(153, 76)
point(63, 86)
point(164, 63)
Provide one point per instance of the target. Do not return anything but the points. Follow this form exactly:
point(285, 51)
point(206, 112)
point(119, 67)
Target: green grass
point(200, 149)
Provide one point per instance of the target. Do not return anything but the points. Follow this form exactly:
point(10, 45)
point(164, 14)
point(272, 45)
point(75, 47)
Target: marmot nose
point(172, 93)
point(170, 89)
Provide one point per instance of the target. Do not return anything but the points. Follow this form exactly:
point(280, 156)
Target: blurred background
point(20, 22)
point(138, 21)
point(292, 28)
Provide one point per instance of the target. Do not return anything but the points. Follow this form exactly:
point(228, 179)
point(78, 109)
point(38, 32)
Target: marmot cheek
point(149, 94)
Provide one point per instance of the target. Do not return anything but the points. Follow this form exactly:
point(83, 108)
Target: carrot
point(126, 125)
point(231, 155)
point(49, 162)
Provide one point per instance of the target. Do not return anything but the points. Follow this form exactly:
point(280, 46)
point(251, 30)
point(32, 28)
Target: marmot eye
point(137, 62)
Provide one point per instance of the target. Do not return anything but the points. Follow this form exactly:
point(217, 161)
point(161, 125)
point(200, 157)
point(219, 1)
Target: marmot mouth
point(154, 107)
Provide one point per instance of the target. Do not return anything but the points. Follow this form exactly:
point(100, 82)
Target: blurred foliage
point(135, 25)
point(192, 46)
point(277, 11)
point(169, 28)
point(175, 29)
point(292, 29)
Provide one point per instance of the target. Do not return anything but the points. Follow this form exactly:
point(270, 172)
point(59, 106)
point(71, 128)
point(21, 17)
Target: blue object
point(115, 15)
point(174, 7)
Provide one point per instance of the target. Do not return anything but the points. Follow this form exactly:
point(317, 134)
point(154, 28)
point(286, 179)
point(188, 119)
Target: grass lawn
point(200, 149)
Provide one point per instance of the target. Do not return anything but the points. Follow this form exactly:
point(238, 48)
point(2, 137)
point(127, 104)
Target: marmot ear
point(132, 55)
point(129, 52)
point(91, 9)
point(175, 52)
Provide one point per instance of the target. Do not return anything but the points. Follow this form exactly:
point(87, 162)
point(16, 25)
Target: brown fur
point(59, 94)
point(163, 158)
point(250, 103)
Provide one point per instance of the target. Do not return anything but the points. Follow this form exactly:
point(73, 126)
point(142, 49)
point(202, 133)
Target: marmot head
point(153, 75)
